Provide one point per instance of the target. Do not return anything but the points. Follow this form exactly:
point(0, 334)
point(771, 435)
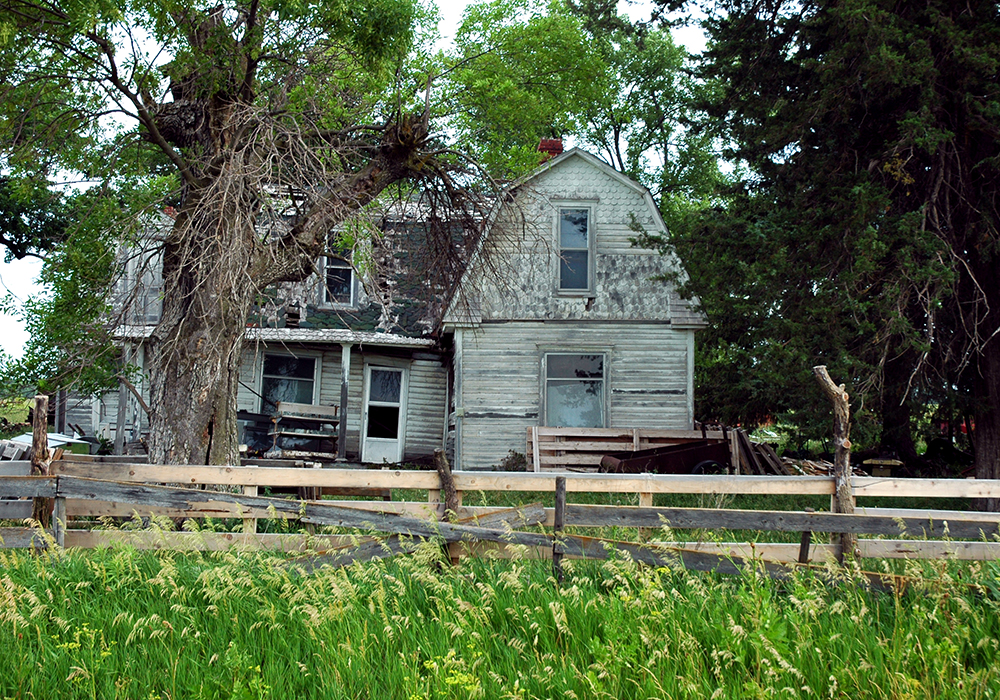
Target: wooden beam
point(27, 487)
point(928, 488)
point(464, 481)
point(15, 510)
point(15, 468)
point(780, 521)
point(202, 541)
point(21, 538)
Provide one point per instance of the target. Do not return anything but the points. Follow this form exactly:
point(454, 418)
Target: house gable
point(519, 273)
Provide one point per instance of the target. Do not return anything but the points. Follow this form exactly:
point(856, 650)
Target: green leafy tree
point(521, 70)
point(265, 123)
point(865, 233)
point(524, 70)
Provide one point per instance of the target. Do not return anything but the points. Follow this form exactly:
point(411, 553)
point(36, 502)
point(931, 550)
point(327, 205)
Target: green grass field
point(119, 623)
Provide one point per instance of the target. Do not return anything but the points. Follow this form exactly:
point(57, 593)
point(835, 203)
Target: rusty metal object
point(694, 457)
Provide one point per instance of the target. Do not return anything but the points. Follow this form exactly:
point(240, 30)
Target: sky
point(18, 277)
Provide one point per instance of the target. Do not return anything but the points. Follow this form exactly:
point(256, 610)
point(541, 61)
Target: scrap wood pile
point(760, 458)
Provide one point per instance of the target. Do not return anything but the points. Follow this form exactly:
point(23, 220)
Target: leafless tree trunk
point(842, 456)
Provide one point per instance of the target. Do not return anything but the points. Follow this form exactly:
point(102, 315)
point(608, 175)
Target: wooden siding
point(647, 379)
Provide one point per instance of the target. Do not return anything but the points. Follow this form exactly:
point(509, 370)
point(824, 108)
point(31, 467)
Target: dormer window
point(575, 250)
point(338, 280)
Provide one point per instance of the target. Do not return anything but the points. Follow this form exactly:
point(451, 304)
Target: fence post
point(41, 458)
point(560, 523)
point(250, 524)
point(452, 498)
point(59, 521)
point(645, 501)
point(844, 502)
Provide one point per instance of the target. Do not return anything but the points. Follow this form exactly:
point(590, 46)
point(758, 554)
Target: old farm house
point(557, 321)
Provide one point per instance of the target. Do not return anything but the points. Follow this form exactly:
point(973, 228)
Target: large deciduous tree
point(266, 123)
point(865, 234)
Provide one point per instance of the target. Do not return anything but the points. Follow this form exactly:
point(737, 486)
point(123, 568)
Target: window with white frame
point(338, 280)
point(575, 390)
point(286, 378)
point(575, 249)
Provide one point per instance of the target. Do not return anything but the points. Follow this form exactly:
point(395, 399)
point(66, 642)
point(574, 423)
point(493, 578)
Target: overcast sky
point(18, 277)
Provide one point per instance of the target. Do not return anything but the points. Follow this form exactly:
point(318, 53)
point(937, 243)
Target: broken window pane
point(286, 378)
point(385, 386)
point(574, 391)
point(339, 282)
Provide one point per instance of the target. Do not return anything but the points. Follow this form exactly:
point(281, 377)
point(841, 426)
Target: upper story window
point(338, 281)
point(575, 250)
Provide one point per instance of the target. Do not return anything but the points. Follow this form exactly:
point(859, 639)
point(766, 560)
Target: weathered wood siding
point(425, 400)
point(524, 248)
point(501, 384)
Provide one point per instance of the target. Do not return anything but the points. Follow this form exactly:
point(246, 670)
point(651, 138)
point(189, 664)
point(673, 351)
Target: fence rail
point(93, 489)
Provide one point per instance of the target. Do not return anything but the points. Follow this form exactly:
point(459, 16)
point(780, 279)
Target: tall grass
point(119, 623)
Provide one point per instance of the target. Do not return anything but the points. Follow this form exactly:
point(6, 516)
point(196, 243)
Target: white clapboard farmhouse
point(558, 320)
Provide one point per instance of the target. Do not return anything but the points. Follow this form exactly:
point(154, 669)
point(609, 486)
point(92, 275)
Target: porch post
point(345, 376)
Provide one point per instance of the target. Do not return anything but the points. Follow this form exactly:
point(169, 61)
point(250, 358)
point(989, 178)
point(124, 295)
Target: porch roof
point(303, 335)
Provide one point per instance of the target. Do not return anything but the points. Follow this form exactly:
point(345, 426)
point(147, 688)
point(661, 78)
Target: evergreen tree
point(864, 235)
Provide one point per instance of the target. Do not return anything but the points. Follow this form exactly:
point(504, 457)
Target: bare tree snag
point(844, 496)
point(451, 500)
point(40, 456)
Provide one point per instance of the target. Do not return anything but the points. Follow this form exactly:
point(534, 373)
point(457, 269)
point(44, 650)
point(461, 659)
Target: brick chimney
point(550, 147)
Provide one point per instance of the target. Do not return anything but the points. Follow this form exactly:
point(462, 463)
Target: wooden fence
point(85, 491)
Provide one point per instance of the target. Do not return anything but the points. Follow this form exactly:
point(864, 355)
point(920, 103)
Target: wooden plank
point(303, 432)
point(930, 514)
point(27, 487)
point(647, 433)
point(870, 549)
point(202, 541)
point(779, 552)
point(623, 445)
point(646, 483)
point(15, 468)
point(930, 488)
point(592, 459)
point(464, 481)
point(76, 508)
point(780, 521)
point(773, 459)
point(535, 453)
point(59, 521)
point(21, 538)
point(261, 476)
point(15, 510)
point(910, 549)
point(290, 410)
point(109, 459)
point(746, 448)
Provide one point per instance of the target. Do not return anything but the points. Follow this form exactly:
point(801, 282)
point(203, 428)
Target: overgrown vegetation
point(119, 623)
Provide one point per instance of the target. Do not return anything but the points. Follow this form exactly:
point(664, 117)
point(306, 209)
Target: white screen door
point(384, 416)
